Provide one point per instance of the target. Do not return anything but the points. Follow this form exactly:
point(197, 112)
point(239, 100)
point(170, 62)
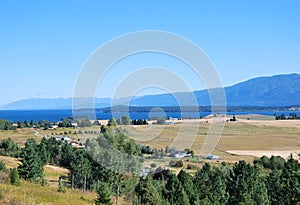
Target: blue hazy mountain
point(278, 90)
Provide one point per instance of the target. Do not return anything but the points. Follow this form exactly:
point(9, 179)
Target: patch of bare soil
point(259, 153)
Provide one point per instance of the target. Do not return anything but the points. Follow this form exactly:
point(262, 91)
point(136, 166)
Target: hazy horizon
point(141, 94)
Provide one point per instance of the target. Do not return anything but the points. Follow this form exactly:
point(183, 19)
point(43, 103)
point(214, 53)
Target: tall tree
point(202, 181)
point(43, 152)
point(246, 185)
point(174, 192)
point(188, 186)
point(147, 192)
point(67, 155)
point(80, 171)
point(31, 167)
point(54, 149)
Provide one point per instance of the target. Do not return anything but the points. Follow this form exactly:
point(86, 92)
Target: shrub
point(190, 166)
point(2, 167)
point(14, 177)
point(61, 187)
point(176, 163)
point(153, 165)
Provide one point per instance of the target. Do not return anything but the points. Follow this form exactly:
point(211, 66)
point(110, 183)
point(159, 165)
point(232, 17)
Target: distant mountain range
point(274, 91)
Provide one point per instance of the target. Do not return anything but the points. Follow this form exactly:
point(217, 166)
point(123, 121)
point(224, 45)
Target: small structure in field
point(180, 154)
point(212, 157)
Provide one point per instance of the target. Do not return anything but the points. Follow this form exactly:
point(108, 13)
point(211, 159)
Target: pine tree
point(43, 152)
point(202, 181)
point(103, 193)
point(32, 166)
point(246, 185)
point(188, 186)
point(174, 192)
point(14, 177)
point(80, 171)
point(147, 192)
point(66, 155)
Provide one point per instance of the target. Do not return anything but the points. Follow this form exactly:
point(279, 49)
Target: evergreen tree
point(276, 189)
point(14, 177)
point(147, 192)
point(53, 148)
point(174, 192)
point(202, 181)
point(80, 171)
point(211, 184)
point(9, 148)
point(66, 155)
point(32, 166)
point(291, 181)
point(103, 193)
point(246, 186)
point(188, 186)
point(43, 152)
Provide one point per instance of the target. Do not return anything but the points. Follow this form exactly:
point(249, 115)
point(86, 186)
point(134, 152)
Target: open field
point(251, 136)
point(258, 135)
point(19, 136)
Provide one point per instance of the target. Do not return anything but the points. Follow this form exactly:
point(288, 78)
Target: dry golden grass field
point(250, 136)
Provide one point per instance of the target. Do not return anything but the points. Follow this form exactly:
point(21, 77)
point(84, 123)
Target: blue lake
point(56, 115)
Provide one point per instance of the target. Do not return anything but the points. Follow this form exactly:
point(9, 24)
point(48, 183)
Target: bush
point(176, 163)
point(2, 167)
point(61, 187)
point(190, 166)
point(153, 165)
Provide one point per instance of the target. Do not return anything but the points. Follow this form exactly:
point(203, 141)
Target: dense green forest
point(266, 181)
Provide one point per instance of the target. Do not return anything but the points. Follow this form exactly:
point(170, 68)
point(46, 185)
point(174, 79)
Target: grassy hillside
point(30, 193)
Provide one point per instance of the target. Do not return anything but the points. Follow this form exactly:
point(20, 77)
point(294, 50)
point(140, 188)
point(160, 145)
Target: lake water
point(56, 115)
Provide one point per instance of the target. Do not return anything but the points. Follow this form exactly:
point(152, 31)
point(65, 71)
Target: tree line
point(45, 124)
point(292, 116)
point(267, 181)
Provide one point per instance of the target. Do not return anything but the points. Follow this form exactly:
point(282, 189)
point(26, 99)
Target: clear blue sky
point(43, 44)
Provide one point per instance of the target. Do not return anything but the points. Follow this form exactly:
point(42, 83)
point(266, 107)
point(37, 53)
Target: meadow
point(257, 134)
